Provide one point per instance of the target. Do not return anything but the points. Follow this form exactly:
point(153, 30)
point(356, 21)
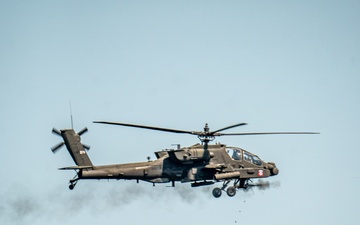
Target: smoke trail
point(264, 185)
point(19, 206)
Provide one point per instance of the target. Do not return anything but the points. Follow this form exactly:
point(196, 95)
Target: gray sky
point(277, 65)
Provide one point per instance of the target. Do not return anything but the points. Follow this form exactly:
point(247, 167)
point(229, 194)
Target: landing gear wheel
point(231, 191)
point(217, 192)
point(73, 182)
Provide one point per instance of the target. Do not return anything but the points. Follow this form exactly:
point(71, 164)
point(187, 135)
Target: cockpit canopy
point(239, 154)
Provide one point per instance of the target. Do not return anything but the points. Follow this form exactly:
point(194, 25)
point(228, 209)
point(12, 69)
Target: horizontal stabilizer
point(76, 167)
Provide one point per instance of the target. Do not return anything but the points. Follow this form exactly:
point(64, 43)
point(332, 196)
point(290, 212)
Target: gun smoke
point(264, 185)
point(18, 206)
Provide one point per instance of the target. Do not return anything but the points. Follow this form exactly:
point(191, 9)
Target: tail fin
point(74, 146)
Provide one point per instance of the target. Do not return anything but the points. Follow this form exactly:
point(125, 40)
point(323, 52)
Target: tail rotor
point(57, 147)
point(61, 144)
point(87, 147)
point(56, 131)
point(83, 131)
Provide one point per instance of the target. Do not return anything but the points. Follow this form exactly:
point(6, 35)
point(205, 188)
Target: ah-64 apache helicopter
point(200, 164)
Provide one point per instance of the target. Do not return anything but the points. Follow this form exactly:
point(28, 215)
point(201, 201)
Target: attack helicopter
point(200, 164)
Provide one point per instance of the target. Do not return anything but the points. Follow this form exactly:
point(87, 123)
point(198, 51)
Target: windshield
point(252, 158)
point(235, 154)
point(239, 154)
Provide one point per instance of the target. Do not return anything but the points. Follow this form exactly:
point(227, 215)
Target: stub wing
point(215, 166)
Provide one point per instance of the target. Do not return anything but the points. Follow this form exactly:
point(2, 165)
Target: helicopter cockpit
point(239, 154)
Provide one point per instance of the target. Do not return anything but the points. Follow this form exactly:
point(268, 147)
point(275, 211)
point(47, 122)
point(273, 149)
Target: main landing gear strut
point(231, 190)
point(73, 182)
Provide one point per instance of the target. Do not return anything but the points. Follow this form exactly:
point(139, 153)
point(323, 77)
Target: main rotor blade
point(229, 127)
point(146, 127)
point(265, 133)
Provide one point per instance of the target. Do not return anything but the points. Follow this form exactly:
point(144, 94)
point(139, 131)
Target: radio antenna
point(71, 116)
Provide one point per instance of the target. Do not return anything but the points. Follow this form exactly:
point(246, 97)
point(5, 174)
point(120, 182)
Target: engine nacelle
point(190, 155)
